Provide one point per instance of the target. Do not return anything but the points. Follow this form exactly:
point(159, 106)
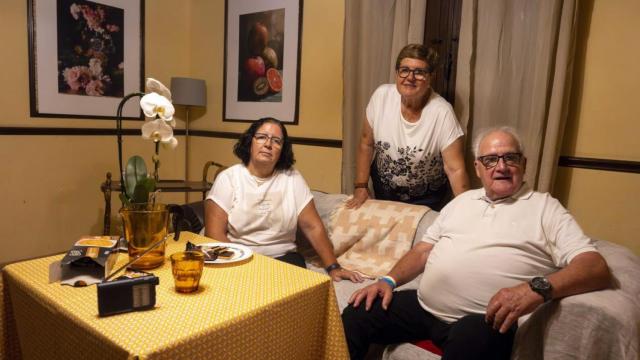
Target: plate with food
point(223, 253)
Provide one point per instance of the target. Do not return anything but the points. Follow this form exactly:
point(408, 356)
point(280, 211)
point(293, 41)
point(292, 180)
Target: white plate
point(241, 253)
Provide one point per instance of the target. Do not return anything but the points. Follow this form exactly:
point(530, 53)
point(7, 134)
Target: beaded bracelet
point(389, 280)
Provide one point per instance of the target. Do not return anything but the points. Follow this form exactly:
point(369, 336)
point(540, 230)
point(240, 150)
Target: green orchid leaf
point(140, 194)
point(125, 200)
point(135, 172)
point(149, 183)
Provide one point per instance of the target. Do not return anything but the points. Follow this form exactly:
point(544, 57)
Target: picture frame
point(262, 60)
point(84, 57)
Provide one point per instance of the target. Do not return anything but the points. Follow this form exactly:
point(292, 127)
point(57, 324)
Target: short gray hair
point(420, 52)
point(505, 129)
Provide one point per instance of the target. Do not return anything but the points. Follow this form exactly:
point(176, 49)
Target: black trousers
point(293, 258)
point(405, 321)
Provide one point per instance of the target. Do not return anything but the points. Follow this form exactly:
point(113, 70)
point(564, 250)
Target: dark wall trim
point(136, 132)
point(296, 140)
point(600, 164)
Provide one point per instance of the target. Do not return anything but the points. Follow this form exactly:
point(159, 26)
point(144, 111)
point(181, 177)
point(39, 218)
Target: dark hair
point(420, 52)
point(242, 148)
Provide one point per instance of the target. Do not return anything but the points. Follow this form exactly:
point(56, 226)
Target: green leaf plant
point(137, 186)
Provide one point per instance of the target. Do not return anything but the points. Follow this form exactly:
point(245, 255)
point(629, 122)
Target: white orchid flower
point(153, 85)
point(159, 130)
point(171, 144)
point(153, 104)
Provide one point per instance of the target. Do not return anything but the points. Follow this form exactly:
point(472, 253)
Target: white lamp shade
point(187, 91)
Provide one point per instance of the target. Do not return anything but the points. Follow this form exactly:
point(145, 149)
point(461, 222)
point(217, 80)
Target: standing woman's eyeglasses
point(418, 74)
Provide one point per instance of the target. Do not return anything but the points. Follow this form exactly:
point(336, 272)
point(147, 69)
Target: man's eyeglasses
point(510, 159)
point(418, 74)
point(262, 139)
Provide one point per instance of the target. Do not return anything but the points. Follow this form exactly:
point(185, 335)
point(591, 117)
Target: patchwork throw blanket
point(372, 238)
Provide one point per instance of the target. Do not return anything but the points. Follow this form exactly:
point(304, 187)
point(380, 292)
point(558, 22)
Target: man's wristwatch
point(542, 286)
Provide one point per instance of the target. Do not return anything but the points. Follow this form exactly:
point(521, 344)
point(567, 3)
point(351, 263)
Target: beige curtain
point(514, 68)
point(375, 31)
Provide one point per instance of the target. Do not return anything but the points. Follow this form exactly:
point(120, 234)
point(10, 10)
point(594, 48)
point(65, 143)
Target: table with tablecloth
point(260, 308)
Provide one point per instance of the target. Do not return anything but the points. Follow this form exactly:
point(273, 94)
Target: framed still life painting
point(84, 57)
point(262, 59)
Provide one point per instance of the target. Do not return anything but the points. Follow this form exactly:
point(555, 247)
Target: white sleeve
point(564, 236)
point(434, 232)
point(302, 193)
point(373, 107)
point(451, 129)
point(222, 191)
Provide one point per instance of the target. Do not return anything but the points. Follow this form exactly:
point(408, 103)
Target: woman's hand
point(360, 195)
point(342, 273)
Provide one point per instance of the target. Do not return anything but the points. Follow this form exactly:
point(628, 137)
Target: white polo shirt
point(482, 246)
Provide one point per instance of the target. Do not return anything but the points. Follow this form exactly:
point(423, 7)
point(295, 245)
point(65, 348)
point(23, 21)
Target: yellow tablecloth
point(260, 309)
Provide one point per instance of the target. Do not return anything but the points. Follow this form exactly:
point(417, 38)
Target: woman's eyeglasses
point(418, 74)
point(510, 159)
point(262, 139)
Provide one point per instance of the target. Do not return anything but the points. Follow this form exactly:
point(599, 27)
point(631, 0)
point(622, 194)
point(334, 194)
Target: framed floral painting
point(262, 60)
point(84, 56)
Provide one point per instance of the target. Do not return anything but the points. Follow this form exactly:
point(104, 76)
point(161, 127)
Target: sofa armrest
point(597, 325)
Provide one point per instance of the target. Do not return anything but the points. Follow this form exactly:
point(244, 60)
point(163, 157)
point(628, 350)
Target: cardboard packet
point(89, 260)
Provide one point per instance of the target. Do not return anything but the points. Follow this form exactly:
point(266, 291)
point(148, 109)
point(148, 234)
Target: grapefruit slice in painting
point(275, 80)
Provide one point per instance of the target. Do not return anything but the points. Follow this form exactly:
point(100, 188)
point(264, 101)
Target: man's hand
point(360, 195)
point(369, 294)
point(508, 304)
point(342, 273)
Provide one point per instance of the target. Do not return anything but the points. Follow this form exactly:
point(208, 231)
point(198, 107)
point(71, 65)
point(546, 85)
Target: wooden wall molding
point(332, 143)
point(600, 164)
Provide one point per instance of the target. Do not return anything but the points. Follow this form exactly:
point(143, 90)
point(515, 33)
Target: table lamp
point(188, 92)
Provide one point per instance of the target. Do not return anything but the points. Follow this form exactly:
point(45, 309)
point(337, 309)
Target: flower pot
point(144, 225)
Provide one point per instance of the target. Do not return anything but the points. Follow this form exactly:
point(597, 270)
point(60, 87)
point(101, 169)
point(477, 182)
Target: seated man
point(493, 255)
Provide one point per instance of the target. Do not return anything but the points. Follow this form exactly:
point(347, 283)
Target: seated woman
point(260, 202)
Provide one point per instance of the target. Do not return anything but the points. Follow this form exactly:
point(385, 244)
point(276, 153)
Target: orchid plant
point(137, 185)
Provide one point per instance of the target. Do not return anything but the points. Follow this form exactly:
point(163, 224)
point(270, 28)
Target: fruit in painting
point(258, 37)
point(275, 80)
point(261, 86)
point(270, 57)
point(254, 68)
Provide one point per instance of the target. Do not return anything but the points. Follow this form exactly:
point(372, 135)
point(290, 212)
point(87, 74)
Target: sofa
point(598, 325)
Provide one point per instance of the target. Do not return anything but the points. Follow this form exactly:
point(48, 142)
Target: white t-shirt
point(482, 246)
point(408, 155)
point(262, 213)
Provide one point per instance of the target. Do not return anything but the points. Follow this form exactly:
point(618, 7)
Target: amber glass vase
point(144, 225)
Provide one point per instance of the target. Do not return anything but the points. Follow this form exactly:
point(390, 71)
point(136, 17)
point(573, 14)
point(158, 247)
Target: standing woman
point(411, 143)
point(261, 202)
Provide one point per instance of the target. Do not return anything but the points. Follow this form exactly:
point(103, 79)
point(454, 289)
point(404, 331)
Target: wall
point(50, 184)
point(320, 114)
point(603, 122)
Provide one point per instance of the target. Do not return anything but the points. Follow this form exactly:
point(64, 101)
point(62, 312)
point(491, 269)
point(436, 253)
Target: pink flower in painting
point(121, 66)
point(95, 88)
point(76, 77)
point(112, 28)
point(95, 66)
point(75, 11)
point(94, 18)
